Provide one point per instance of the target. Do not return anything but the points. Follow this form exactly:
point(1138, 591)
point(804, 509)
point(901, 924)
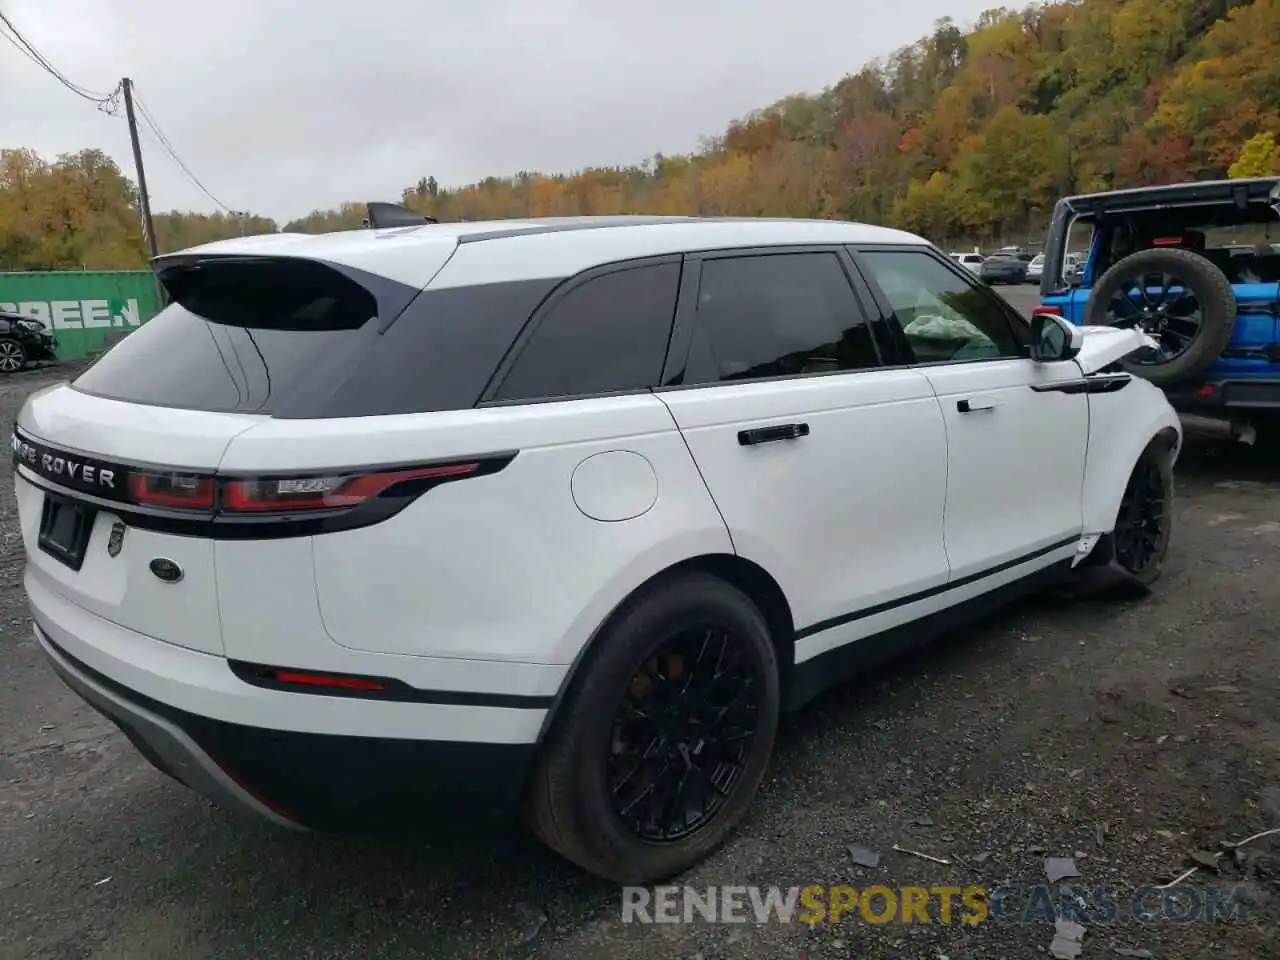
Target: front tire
point(665, 736)
point(1144, 523)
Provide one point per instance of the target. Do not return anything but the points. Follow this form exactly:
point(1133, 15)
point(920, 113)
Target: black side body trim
point(1106, 383)
point(932, 591)
point(260, 675)
point(813, 676)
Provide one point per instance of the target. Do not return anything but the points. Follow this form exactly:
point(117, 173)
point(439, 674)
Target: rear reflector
point(338, 681)
point(1046, 311)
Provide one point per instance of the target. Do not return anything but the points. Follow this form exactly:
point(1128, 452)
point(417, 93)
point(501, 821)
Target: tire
point(1154, 469)
point(571, 807)
point(1210, 286)
point(13, 356)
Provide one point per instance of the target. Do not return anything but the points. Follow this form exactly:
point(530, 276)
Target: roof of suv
point(1259, 189)
point(506, 250)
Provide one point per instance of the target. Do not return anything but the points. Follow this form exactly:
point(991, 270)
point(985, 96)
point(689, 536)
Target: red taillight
point(1046, 311)
point(171, 490)
point(338, 681)
point(283, 494)
point(1206, 391)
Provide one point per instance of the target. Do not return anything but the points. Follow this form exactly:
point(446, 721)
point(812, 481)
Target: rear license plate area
point(65, 529)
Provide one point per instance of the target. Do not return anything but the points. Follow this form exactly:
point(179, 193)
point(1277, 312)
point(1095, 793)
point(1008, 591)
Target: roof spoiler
point(394, 215)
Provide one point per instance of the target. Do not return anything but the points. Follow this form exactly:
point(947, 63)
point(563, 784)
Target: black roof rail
point(394, 215)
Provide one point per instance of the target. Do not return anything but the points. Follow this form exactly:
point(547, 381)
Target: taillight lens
point(171, 490)
point(283, 494)
point(296, 494)
point(1046, 311)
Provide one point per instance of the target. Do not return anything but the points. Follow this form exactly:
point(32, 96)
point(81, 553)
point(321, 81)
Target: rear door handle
point(782, 431)
point(977, 404)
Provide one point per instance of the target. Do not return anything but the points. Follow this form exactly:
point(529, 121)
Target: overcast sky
point(283, 106)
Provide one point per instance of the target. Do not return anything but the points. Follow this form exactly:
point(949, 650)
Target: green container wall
point(83, 309)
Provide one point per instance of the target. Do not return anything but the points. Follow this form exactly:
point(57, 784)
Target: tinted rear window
point(180, 359)
point(240, 337)
point(296, 339)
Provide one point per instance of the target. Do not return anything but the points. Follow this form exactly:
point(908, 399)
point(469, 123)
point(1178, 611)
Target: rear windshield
point(295, 339)
point(239, 337)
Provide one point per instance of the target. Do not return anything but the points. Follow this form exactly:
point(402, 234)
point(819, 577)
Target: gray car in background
point(1003, 268)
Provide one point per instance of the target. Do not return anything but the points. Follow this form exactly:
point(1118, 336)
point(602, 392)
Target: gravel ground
point(1126, 735)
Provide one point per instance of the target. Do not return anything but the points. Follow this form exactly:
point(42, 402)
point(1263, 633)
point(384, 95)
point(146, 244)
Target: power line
point(106, 102)
point(169, 148)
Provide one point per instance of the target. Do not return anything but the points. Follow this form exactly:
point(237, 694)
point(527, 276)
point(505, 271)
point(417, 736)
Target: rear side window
point(777, 315)
point(238, 338)
point(609, 333)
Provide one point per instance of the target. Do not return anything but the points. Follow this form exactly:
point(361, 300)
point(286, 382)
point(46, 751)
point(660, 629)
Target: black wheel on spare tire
point(1177, 297)
point(1145, 520)
point(13, 356)
point(665, 735)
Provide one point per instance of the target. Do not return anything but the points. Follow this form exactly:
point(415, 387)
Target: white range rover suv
point(558, 514)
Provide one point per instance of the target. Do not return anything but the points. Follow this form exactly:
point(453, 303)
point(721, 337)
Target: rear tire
point(1209, 285)
point(594, 795)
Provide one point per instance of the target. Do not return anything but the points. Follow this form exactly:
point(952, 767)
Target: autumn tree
point(1259, 157)
point(971, 133)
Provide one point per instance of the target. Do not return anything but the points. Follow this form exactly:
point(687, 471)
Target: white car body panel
point(1032, 501)
point(876, 438)
point(1103, 346)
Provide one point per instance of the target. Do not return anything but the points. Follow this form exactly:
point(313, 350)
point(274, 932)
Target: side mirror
point(1054, 338)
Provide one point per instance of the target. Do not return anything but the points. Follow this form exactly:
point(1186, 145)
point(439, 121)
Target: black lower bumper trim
point(1224, 395)
point(322, 781)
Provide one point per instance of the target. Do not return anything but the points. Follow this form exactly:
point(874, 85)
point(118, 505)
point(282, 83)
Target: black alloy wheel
point(1179, 299)
point(664, 735)
point(1144, 521)
point(1163, 306)
point(683, 733)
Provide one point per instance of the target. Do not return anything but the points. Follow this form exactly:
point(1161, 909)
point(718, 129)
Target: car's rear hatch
point(78, 458)
point(115, 473)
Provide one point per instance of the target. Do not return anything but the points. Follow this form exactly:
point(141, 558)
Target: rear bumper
point(299, 758)
point(304, 780)
point(1228, 394)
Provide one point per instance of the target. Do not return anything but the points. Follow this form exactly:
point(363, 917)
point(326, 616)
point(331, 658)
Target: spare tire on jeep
point(1176, 296)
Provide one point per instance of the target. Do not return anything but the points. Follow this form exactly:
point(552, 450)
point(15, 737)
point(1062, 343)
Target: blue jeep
point(1194, 265)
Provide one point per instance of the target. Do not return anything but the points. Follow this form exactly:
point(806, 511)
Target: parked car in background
point(1003, 268)
point(23, 340)
point(1168, 260)
point(1035, 268)
point(970, 261)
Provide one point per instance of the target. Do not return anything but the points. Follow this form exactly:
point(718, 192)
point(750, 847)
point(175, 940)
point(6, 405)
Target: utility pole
point(144, 200)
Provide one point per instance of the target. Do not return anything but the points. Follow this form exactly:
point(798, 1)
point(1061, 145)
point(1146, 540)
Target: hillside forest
point(967, 136)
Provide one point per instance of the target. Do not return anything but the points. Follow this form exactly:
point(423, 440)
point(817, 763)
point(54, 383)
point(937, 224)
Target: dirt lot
point(1125, 735)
